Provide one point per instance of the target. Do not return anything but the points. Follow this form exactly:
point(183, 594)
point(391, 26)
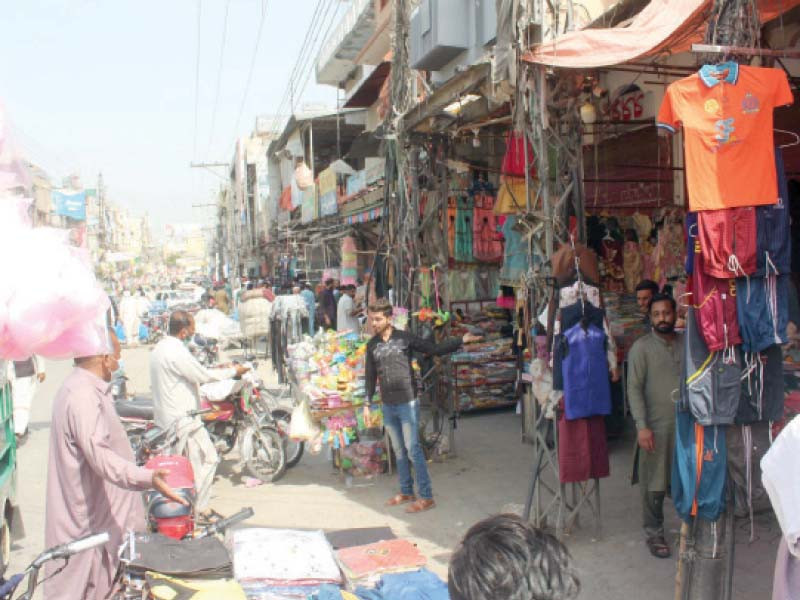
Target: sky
point(108, 86)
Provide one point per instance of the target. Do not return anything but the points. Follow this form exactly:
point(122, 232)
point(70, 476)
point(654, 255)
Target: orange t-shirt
point(726, 114)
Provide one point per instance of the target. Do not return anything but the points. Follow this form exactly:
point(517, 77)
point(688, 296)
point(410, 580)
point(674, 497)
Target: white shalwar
point(23, 390)
point(175, 376)
point(129, 315)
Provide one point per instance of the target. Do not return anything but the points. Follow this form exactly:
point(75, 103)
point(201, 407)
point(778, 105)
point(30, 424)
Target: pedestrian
point(142, 308)
point(221, 299)
point(129, 315)
point(311, 305)
point(654, 373)
point(25, 377)
point(327, 304)
point(175, 376)
point(347, 312)
point(388, 359)
point(645, 290)
point(93, 483)
point(505, 557)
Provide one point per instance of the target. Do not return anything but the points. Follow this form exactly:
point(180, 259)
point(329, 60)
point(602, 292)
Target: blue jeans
point(402, 423)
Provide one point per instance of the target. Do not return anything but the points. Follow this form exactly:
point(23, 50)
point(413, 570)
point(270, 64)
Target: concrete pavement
point(490, 473)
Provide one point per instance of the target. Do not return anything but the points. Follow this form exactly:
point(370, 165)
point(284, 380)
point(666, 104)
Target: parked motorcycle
point(234, 417)
point(200, 554)
point(62, 552)
point(205, 350)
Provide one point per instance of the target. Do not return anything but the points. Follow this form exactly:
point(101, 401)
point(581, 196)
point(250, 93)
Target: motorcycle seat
point(204, 556)
point(138, 407)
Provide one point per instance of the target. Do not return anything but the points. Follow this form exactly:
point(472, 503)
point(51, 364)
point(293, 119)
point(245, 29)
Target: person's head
point(181, 324)
point(644, 293)
point(350, 290)
point(663, 313)
point(380, 315)
point(329, 283)
point(506, 557)
point(102, 365)
point(296, 289)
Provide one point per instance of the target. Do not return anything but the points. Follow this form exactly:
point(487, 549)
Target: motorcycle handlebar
point(223, 524)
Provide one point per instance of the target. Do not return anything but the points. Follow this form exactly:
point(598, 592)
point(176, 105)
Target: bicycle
point(61, 552)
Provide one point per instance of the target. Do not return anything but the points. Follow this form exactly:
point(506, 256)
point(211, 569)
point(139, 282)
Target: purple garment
point(91, 480)
point(585, 370)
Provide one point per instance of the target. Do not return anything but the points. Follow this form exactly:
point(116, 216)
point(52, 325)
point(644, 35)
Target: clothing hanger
point(794, 135)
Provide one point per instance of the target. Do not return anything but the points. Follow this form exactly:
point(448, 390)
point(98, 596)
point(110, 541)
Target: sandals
point(401, 499)
point(421, 505)
point(658, 547)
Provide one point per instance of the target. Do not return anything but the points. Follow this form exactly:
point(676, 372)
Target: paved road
point(490, 473)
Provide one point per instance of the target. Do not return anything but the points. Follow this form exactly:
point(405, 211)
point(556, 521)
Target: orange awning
point(663, 26)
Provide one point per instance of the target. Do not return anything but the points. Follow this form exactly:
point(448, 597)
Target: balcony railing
point(336, 57)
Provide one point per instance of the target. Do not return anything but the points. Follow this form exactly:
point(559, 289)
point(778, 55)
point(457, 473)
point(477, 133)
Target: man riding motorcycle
point(176, 376)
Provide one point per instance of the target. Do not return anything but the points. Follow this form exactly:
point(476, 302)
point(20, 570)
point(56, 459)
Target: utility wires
point(252, 67)
point(219, 73)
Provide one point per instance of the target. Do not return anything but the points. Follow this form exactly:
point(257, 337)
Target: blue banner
point(70, 205)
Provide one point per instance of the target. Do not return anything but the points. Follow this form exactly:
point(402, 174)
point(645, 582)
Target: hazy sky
point(93, 85)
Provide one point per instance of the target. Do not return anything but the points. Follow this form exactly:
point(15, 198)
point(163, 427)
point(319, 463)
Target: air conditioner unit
point(439, 33)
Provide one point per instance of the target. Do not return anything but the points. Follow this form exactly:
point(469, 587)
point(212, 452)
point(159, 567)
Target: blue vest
point(587, 391)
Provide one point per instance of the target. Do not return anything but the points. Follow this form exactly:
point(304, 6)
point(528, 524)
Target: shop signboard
point(327, 193)
point(356, 182)
point(631, 103)
point(72, 205)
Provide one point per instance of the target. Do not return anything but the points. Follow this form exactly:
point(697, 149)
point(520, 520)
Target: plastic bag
point(302, 425)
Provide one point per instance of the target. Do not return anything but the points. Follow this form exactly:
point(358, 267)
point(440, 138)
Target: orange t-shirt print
point(726, 114)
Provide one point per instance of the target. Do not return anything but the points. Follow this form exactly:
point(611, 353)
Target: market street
point(490, 474)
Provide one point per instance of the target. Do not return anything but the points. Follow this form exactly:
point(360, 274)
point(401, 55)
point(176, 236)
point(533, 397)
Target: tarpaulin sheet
point(663, 26)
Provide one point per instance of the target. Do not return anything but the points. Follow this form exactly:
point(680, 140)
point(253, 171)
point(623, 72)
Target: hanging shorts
point(774, 239)
point(762, 387)
point(763, 311)
point(700, 456)
point(714, 301)
point(727, 241)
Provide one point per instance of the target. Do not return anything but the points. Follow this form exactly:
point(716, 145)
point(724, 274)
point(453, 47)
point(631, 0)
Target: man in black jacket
point(388, 359)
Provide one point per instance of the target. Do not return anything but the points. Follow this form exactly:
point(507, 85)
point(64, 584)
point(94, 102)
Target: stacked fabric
point(738, 258)
point(282, 563)
point(362, 564)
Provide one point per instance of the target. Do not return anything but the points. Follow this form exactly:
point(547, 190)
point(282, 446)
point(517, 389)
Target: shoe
point(401, 499)
point(421, 505)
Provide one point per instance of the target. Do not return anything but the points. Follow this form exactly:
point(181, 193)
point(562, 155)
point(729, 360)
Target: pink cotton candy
point(50, 301)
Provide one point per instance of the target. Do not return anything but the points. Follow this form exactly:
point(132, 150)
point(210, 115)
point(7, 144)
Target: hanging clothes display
point(715, 302)
point(762, 395)
point(582, 449)
point(563, 261)
point(773, 229)
point(726, 113)
point(763, 311)
point(486, 283)
point(451, 227)
point(698, 469)
point(728, 241)
point(515, 260)
point(463, 239)
point(585, 371)
point(488, 245)
point(710, 383)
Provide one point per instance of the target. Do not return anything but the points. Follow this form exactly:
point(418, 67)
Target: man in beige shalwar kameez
point(93, 483)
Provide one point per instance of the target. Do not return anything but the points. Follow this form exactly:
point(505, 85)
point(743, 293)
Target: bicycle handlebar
point(71, 548)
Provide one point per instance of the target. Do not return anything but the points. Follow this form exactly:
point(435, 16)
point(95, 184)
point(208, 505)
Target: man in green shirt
point(654, 372)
